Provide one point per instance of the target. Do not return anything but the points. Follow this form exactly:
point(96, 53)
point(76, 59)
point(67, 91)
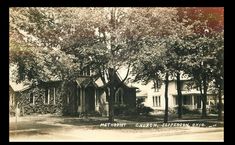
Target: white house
point(155, 97)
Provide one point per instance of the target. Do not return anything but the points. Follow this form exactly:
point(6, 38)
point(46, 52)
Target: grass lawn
point(159, 118)
point(53, 122)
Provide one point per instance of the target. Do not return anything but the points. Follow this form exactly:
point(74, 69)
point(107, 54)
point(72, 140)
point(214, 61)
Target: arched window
point(119, 96)
point(67, 99)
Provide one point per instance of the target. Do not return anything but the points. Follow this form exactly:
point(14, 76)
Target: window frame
point(31, 98)
point(119, 98)
point(156, 101)
point(47, 96)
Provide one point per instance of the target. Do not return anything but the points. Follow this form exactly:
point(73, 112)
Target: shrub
point(94, 113)
point(127, 110)
point(215, 108)
point(172, 110)
point(124, 110)
point(12, 111)
point(194, 111)
point(141, 109)
point(187, 110)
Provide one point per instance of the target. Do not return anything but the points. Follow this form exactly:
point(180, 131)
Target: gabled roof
point(119, 79)
point(19, 87)
point(85, 81)
point(142, 93)
point(99, 82)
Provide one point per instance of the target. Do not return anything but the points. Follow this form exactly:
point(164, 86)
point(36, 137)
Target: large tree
point(200, 54)
point(73, 31)
point(34, 57)
point(63, 42)
point(159, 58)
point(218, 71)
point(103, 39)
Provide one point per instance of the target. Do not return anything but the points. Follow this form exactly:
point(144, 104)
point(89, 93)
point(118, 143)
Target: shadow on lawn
point(29, 128)
point(28, 133)
point(24, 125)
point(37, 127)
point(137, 118)
point(160, 117)
point(173, 118)
point(83, 121)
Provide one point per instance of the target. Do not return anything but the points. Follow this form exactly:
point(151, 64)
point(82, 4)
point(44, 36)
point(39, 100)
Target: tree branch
point(102, 77)
point(128, 70)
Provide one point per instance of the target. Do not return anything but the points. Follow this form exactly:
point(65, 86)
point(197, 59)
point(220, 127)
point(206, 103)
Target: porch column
point(54, 96)
point(48, 96)
point(193, 107)
point(209, 101)
point(80, 97)
point(201, 103)
point(83, 101)
point(107, 108)
point(96, 101)
point(106, 103)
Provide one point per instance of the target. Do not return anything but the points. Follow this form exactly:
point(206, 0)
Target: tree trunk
point(220, 117)
point(111, 111)
point(180, 112)
point(166, 98)
point(201, 94)
point(111, 96)
point(204, 99)
point(111, 69)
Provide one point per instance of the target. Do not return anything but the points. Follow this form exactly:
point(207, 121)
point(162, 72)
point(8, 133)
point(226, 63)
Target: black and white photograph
point(79, 74)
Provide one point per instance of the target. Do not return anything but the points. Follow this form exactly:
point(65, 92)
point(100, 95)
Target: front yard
point(60, 128)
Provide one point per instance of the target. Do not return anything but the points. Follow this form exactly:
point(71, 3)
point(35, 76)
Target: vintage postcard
point(116, 74)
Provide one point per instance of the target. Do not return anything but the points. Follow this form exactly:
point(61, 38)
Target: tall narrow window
point(31, 98)
point(156, 101)
point(176, 100)
point(116, 98)
point(78, 97)
point(88, 71)
point(119, 96)
point(159, 102)
point(48, 97)
point(153, 101)
point(67, 99)
point(48, 93)
point(54, 95)
point(96, 97)
point(45, 97)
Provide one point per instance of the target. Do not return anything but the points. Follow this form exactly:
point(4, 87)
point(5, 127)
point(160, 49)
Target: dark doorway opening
point(90, 99)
